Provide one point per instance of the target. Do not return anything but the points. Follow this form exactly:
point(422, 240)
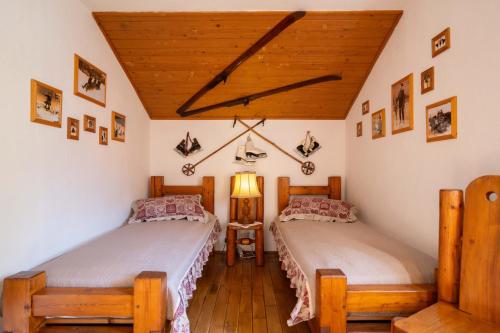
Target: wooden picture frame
point(46, 104)
point(441, 120)
point(359, 129)
point(89, 82)
point(365, 107)
point(103, 136)
point(402, 105)
point(89, 123)
point(118, 126)
point(378, 124)
point(427, 80)
point(73, 129)
point(441, 42)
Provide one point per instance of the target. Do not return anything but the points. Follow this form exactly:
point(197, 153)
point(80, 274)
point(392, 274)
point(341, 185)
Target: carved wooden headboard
point(332, 190)
point(157, 188)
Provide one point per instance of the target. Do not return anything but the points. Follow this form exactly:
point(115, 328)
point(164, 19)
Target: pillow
point(172, 207)
point(319, 209)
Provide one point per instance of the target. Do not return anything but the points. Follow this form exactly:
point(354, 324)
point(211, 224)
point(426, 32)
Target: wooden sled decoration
point(307, 167)
point(188, 146)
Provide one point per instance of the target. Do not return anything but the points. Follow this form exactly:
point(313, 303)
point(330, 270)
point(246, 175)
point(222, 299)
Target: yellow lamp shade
point(245, 185)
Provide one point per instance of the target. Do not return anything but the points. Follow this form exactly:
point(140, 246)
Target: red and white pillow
point(319, 209)
point(172, 207)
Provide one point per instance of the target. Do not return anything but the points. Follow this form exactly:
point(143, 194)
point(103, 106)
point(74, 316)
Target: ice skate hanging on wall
point(308, 146)
point(248, 154)
point(188, 146)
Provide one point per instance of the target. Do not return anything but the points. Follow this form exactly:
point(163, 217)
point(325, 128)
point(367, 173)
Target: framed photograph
point(118, 126)
point(89, 123)
point(427, 81)
point(73, 130)
point(359, 129)
point(441, 120)
point(103, 136)
point(378, 124)
point(441, 42)
point(365, 107)
point(402, 105)
point(46, 104)
point(89, 82)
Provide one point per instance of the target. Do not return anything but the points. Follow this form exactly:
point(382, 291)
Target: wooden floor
point(243, 298)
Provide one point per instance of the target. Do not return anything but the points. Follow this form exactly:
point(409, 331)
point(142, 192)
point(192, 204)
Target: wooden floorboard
point(243, 299)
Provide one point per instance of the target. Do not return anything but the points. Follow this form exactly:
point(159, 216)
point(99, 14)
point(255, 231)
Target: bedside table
point(232, 240)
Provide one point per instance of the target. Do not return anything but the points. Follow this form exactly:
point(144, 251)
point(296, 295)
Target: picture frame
point(402, 105)
point(89, 123)
point(427, 80)
point(90, 82)
point(441, 120)
point(365, 107)
point(73, 129)
point(359, 129)
point(441, 42)
point(103, 136)
point(378, 124)
point(118, 126)
point(46, 104)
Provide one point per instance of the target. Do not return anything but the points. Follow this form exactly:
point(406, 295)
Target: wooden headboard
point(332, 190)
point(157, 188)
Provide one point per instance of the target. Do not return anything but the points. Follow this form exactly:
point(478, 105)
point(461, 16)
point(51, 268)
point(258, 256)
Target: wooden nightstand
point(232, 240)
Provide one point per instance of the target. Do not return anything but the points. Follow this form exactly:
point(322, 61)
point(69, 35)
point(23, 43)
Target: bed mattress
point(179, 248)
point(364, 255)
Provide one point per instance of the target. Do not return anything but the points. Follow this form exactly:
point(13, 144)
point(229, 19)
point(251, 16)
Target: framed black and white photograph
point(441, 120)
point(365, 107)
point(89, 123)
point(73, 130)
point(89, 82)
point(46, 104)
point(378, 124)
point(441, 42)
point(427, 80)
point(402, 105)
point(103, 136)
point(359, 129)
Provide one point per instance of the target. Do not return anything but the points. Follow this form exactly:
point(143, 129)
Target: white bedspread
point(116, 258)
point(363, 254)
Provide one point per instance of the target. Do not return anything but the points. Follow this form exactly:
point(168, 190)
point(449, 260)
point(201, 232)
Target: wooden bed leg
point(17, 292)
point(331, 295)
point(150, 303)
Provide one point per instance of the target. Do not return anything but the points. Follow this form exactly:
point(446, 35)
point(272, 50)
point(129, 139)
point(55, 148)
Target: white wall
point(396, 180)
point(57, 193)
point(329, 160)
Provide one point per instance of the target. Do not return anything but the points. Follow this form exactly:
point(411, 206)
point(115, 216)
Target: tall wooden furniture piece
point(337, 301)
point(469, 264)
point(28, 304)
point(235, 210)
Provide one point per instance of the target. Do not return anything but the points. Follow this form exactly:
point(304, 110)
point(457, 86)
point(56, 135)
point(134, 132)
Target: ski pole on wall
point(307, 167)
point(189, 169)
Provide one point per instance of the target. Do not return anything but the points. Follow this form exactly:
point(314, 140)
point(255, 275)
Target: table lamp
point(245, 187)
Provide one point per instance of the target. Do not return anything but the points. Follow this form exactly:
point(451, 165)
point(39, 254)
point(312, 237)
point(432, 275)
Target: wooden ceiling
point(169, 56)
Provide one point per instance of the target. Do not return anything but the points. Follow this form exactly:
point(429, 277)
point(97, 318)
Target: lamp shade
point(245, 185)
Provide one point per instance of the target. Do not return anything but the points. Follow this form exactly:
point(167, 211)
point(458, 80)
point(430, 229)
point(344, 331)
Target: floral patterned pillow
point(172, 207)
point(319, 209)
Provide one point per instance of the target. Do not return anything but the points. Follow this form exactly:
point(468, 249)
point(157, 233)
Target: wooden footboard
point(27, 302)
point(337, 301)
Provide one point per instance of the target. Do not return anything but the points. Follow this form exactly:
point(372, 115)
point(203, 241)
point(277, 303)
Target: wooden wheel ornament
point(188, 169)
point(308, 168)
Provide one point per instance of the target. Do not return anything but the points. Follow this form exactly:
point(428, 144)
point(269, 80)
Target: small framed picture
point(103, 136)
point(365, 107)
point(427, 80)
point(89, 82)
point(441, 120)
point(402, 105)
point(441, 42)
point(89, 123)
point(378, 124)
point(118, 126)
point(359, 129)
point(73, 130)
point(46, 104)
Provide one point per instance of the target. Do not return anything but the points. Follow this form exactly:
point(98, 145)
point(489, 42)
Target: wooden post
point(17, 292)
point(150, 302)
point(155, 186)
point(259, 246)
point(233, 202)
point(208, 193)
point(283, 193)
point(259, 202)
point(334, 183)
point(331, 295)
point(450, 233)
point(231, 246)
